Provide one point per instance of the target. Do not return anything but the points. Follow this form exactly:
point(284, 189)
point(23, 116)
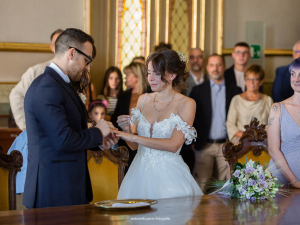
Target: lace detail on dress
point(163, 129)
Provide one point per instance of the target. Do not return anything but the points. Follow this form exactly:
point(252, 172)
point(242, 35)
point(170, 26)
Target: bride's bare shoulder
point(186, 101)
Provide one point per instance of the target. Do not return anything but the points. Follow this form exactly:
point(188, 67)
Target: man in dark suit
point(282, 84)
point(213, 99)
point(235, 74)
point(196, 69)
point(58, 138)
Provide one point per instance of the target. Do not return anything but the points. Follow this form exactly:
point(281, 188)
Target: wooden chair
point(9, 166)
point(107, 172)
point(253, 144)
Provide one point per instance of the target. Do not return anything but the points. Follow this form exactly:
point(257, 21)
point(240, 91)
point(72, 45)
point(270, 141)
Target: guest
point(17, 94)
point(137, 84)
point(58, 138)
point(212, 99)
point(162, 45)
point(249, 104)
point(97, 111)
point(139, 59)
point(241, 56)
point(112, 88)
point(284, 134)
point(196, 68)
point(282, 84)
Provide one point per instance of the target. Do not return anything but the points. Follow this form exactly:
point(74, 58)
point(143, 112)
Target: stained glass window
point(180, 25)
point(132, 32)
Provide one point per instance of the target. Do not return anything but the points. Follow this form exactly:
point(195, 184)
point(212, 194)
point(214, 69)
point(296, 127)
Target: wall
point(282, 29)
point(31, 21)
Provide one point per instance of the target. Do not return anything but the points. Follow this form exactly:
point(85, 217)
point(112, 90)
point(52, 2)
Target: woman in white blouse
point(249, 104)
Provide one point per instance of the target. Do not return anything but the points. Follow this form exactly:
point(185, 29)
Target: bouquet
point(251, 181)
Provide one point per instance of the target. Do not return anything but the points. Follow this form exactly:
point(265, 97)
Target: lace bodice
point(162, 129)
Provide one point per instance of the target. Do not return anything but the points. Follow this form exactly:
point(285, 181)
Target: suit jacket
point(17, 94)
point(282, 84)
point(229, 76)
point(202, 95)
point(57, 173)
point(191, 83)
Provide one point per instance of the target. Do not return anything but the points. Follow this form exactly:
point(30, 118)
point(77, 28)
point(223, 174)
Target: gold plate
point(108, 204)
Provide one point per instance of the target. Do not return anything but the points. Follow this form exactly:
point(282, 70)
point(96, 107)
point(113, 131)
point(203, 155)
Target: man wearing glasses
point(235, 74)
point(282, 84)
point(56, 123)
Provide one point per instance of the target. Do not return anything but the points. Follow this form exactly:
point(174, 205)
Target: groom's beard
point(80, 86)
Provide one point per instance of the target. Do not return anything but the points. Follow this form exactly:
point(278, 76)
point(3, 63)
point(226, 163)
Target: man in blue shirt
point(213, 99)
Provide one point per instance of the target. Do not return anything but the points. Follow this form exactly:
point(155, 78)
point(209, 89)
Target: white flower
point(250, 163)
point(82, 97)
point(182, 57)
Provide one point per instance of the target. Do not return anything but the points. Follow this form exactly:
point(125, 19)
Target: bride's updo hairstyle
point(167, 60)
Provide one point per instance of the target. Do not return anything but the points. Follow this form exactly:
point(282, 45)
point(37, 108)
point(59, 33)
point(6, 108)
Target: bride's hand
point(125, 136)
point(124, 122)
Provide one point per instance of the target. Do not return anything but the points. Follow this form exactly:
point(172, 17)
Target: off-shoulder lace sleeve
point(135, 116)
point(189, 132)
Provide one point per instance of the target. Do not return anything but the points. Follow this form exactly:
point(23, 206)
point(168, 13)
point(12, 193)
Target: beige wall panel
point(33, 21)
point(281, 18)
point(14, 64)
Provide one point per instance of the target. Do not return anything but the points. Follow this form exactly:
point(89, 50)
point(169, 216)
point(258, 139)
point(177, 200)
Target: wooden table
point(207, 209)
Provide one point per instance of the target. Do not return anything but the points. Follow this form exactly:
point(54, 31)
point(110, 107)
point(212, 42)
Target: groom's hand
point(105, 127)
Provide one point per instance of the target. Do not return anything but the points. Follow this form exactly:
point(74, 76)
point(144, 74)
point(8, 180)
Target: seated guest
point(137, 84)
point(17, 94)
point(284, 134)
point(241, 56)
point(139, 59)
point(282, 84)
point(249, 104)
point(112, 88)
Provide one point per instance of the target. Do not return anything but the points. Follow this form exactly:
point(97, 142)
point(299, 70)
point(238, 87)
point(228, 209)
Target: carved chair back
point(9, 166)
point(253, 144)
point(107, 172)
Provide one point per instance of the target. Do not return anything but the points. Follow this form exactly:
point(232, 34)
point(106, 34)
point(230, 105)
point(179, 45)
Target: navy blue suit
point(57, 173)
point(282, 85)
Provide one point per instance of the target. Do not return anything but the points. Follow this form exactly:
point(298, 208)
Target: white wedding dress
point(156, 174)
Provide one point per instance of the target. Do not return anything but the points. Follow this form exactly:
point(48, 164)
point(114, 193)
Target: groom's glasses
point(82, 53)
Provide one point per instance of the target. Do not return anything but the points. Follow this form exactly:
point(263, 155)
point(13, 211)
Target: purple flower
point(263, 184)
point(251, 182)
point(252, 199)
point(242, 191)
point(262, 198)
point(244, 171)
point(237, 173)
point(261, 176)
point(249, 170)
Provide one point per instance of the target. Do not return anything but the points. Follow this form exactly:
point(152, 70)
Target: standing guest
point(282, 84)
point(139, 59)
point(17, 94)
point(284, 134)
point(235, 74)
point(196, 68)
point(212, 99)
point(112, 88)
point(137, 84)
point(58, 138)
point(249, 104)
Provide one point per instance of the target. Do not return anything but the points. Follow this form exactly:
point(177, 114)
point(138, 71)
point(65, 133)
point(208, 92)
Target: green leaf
point(246, 159)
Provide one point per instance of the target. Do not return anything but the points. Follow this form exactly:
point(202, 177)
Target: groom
point(57, 173)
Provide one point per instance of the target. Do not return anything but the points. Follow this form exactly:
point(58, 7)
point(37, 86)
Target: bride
point(162, 121)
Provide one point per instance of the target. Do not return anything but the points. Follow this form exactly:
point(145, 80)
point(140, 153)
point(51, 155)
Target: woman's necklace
point(166, 105)
point(246, 97)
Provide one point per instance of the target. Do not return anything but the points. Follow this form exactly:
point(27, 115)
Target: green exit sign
point(255, 51)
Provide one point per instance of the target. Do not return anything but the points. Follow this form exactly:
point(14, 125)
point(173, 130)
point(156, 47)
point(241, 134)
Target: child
point(97, 111)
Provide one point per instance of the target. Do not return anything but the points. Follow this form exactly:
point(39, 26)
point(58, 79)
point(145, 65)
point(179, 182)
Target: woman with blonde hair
point(137, 85)
point(249, 104)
